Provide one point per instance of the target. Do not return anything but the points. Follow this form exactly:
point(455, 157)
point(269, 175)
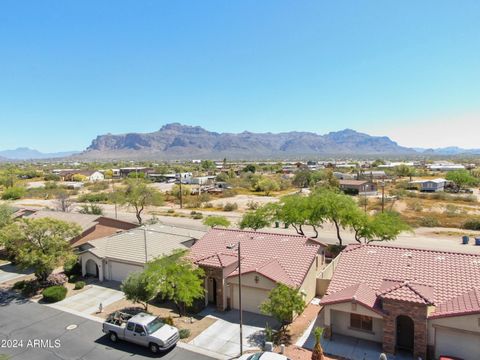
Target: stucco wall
point(309, 285)
point(340, 323)
point(467, 323)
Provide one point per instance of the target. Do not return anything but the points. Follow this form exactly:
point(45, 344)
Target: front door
point(405, 333)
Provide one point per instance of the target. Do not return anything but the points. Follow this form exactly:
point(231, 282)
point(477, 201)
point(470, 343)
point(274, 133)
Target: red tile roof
point(413, 275)
point(281, 258)
point(468, 303)
point(360, 293)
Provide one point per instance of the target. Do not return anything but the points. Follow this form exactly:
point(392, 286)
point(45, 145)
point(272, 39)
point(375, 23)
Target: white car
point(266, 355)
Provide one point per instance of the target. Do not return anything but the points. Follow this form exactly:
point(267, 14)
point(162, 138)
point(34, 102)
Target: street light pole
point(383, 195)
point(240, 298)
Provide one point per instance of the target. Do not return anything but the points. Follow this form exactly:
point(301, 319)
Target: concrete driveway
point(87, 301)
point(223, 336)
point(10, 272)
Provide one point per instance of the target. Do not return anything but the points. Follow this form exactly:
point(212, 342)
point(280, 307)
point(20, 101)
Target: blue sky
point(70, 70)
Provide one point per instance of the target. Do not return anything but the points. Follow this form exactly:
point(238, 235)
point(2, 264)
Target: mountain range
point(25, 153)
point(176, 141)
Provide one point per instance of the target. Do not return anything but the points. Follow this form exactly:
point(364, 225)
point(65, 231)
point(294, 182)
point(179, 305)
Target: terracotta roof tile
point(360, 293)
point(467, 303)
point(282, 258)
point(432, 276)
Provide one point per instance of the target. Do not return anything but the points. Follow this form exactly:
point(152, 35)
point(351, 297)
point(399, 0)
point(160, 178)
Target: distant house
point(124, 172)
point(422, 302)
point(344, 176)
point(114, 257)
point(434, 185)
point(267, 260)
point(355, 187)
point(446, 167)
point(92, 226)
point(88, 175)
point(374, 174)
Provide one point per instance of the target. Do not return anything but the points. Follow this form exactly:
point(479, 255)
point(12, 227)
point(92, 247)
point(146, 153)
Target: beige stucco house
point(266, 260)
point(421, 301)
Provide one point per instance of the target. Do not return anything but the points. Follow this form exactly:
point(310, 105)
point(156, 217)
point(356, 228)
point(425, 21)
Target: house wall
point(467, 323)
point(89, 256)
point(340, 324)
point(309, 285)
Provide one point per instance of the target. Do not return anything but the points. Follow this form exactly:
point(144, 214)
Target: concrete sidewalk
point(10, 272)
point(88, 301)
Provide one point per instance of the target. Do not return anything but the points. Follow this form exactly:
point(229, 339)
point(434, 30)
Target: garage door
point(465, 345)
point(119, 271)
point(251, 298)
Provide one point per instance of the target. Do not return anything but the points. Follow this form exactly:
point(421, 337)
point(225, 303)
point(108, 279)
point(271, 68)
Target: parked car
point(142, 329)
point(266, 355)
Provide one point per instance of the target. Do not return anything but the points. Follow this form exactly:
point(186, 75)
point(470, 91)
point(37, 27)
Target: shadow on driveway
point(133, 349)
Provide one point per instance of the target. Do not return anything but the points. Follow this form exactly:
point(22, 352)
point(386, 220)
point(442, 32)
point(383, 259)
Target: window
point(139, 329)
point(130, 326)
point(361, 322)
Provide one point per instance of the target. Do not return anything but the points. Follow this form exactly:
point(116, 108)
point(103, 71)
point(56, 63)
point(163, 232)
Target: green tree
point(267, 185)
point(136, 289)
point(302, 179)
point(41, 244)
point(379, 227)
point(208, 165)
point(6, 213)
point(138, 194)
point(461, 178)
point(283, 303)
point(13, 193)
point(404, 171)
point(257, 219)
point(176, 278)
point(250, 168)
point(213, 221)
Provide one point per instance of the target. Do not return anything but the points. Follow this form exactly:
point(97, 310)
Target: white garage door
point(119, 271)
point(452, 342)
point(251, 298)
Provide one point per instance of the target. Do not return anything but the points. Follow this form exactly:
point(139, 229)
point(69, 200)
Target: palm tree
point(317, 353)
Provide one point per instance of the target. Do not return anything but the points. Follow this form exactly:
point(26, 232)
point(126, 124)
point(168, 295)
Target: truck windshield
point(154, 325)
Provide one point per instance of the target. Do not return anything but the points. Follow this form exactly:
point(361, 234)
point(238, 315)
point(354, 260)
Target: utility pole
point(240, 298)
point(181, 192)
point(383, 195)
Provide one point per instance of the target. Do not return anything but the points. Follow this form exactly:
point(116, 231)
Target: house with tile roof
point(425, 302)
point(114, 257)
point(92, 226)
point(266, 260)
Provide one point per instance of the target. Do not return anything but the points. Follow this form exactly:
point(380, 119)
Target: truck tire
point(113, 336)
point(153, 348)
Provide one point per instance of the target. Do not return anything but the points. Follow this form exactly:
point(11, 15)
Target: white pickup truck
point(142, 329)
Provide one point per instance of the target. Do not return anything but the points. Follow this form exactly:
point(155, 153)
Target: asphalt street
point(33, 331)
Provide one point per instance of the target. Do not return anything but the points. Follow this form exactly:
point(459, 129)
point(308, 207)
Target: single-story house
point(114, 257)
point(426, 302)
point(93, 226)
point(267, 259)
point(88, 175)
point(358, 187)
point(345, 176)
point(433, 185)
point(374, 174)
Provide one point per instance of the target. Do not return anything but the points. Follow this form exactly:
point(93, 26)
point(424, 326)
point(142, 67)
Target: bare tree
point(63, 202)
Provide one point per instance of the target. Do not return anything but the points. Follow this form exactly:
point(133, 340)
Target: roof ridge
point(258, 232)
point(357, 246)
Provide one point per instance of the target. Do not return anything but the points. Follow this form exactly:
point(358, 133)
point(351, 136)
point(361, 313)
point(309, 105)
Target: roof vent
point(231, 246)
point(440, 258)
point(408, 255)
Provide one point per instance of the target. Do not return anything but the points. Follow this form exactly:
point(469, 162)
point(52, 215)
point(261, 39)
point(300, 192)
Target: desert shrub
point(168, 320)
point(228, 193)
point(13, 193)
point(30, 288)
point(73, 278)
point(79, 285)
point(98, 186)
point(52, 177)
point(197, 216)
point(230, 206)
point(208, 205)
point(19, 285)
point(184, 333)
point(72, 267)
point(472, 224)
point(54, 294)
point(428, 221)
point(56, 279)
point(170, 211)
point(94, 197)
point(451, 210)
point(252, 205)
point(415, 206)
